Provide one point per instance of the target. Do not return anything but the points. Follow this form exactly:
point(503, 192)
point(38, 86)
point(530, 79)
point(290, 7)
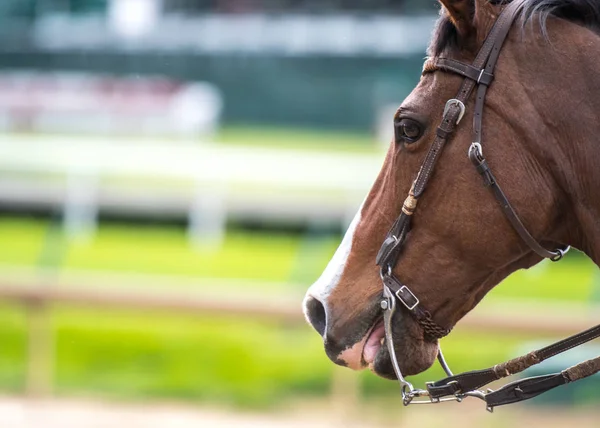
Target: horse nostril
point(315, 313)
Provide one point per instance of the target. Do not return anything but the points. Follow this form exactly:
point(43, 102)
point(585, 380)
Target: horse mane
point(582, 12)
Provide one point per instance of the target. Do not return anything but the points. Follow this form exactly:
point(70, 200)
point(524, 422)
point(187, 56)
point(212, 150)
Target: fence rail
point(205, 183)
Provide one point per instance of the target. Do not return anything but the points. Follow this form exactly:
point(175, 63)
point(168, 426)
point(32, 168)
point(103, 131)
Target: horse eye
point(408, 131)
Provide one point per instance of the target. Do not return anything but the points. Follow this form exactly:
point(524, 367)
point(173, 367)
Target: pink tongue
point(374, 343)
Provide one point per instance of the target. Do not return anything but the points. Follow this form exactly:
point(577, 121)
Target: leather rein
point(479, 76)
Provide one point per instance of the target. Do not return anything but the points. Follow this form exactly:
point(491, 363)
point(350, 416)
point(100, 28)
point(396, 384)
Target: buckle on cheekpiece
point(459, 104)
point(407, 298)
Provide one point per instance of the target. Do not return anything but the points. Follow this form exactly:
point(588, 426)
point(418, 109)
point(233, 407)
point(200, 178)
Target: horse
point(536, 119)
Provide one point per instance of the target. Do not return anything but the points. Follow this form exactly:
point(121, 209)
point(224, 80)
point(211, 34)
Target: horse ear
point(462, 14)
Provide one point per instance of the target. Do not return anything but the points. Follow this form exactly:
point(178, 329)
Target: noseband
point(478, 75)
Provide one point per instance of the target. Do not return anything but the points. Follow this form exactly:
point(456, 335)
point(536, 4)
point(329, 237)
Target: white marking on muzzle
point(332, 274)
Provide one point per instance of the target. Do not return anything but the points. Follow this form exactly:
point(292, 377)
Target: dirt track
point(60, 413)
point(18, 412)
point(76, 413)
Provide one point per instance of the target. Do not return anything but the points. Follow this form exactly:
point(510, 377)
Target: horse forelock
point(582, 12)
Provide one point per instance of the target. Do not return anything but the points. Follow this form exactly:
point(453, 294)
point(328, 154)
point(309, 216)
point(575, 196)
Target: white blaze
point(330, 277)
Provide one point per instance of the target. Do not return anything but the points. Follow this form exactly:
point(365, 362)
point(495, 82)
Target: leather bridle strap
point(457, 387)
point(481, 71)
point(484, 78)
point(480, 76)
point(525, 388)
point(476, 157)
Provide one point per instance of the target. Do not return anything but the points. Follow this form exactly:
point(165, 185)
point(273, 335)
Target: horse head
point(540, 133)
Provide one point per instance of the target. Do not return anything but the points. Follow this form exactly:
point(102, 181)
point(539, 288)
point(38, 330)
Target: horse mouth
point(371, 351)
point(374, 343)
point(413, 353)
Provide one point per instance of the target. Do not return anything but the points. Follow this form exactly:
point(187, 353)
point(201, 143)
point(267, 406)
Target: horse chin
point(414, 354)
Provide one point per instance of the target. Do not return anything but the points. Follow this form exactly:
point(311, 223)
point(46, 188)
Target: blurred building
point(316, 63)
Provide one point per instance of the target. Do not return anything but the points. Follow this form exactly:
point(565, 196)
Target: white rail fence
point(206, 183)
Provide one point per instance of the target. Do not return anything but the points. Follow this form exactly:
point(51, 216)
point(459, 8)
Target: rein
point(478, 75)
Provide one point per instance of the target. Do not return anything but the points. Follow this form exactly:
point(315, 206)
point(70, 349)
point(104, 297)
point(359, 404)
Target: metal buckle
point(476, 146)
point(480, 76)
point(411, 395)
point(405, 289)
point(458, 103)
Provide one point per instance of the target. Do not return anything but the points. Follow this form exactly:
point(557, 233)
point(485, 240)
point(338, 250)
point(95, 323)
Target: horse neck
point(564, 87)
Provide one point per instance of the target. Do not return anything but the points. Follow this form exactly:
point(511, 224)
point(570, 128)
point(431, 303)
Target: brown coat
point(541, 127)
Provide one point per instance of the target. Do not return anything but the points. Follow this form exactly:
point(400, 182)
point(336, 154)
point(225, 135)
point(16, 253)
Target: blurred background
point(175, 173)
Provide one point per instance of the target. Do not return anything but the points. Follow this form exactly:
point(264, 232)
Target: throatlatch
point(458, 387)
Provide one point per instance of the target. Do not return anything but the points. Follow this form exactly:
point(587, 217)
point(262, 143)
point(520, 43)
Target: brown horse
point(541, 128)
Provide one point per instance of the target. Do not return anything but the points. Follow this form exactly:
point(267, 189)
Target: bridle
point(478, 75)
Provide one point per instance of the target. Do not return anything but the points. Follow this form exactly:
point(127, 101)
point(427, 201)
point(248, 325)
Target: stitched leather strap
point(432, 331)
point(475, 153)
point(484, 170)
point(525, 389)
point(476, 379)
point(479, 73)
point(480, 76)
point(486, 59)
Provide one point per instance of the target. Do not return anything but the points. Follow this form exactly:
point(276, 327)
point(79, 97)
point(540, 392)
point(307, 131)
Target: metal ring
point(560, 253)
point(383, 274)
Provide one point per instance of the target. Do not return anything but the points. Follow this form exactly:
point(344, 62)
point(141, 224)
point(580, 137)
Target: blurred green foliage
point(131, 354)
point(300, 138)
point(272, 257)
point(161, 250)
point(240, 362)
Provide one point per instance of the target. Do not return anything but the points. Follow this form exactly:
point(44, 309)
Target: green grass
point(286, 138)
point(573, 279)
point(136, 355)
point(127, 354)
point(272, 137)
point(273, 258)
point(243, 255)
point(239, 362)
point(12, 348)
point(208, 359)
point(161, 250)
